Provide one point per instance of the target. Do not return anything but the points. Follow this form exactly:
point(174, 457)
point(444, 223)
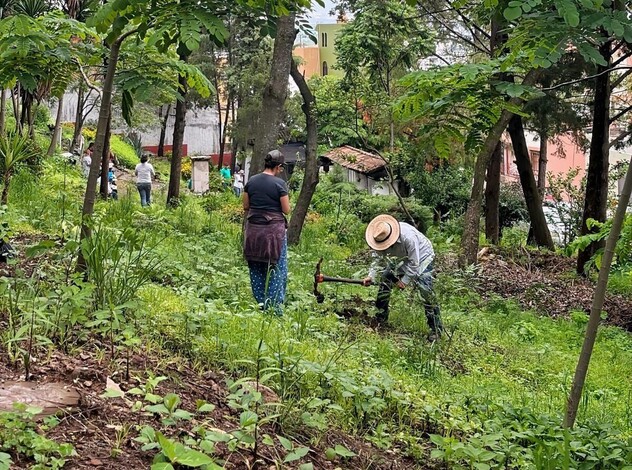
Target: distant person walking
point(266, 203)
point(225, 174)
point(238, 184)
point(144, 175)
point(86, 160)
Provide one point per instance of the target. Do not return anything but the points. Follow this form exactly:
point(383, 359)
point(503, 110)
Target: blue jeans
point(144, 189)
point(268, 282)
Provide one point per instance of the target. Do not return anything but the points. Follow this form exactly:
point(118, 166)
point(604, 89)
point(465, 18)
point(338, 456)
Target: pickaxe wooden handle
point(319, 277)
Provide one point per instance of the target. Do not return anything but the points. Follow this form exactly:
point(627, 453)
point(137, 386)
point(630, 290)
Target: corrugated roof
point(355, 159)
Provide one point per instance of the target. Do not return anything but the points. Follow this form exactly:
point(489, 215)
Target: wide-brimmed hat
point(382, 232)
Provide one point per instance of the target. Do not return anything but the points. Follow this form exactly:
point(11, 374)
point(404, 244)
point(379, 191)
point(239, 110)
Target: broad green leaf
point(285, 443)
point(167, 446)
point(512, 13)
point(248, 418)
point(343, 451)
point(162, 466)
point(191, 458)
point(299, 453)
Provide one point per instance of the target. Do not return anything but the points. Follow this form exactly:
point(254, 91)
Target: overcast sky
point(321, 14)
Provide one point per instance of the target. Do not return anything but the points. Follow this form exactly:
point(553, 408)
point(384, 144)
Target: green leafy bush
point(446, 190)
point(124, 152)
point(511, 207)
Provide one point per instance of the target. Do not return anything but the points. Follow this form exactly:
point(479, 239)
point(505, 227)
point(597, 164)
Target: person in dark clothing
point(266, 202)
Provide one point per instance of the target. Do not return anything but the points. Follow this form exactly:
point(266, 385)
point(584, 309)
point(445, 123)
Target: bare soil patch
point(545, 283)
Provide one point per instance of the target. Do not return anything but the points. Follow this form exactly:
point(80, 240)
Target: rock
point(50, 397)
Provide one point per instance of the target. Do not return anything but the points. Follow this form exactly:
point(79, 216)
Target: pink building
point(563, 156)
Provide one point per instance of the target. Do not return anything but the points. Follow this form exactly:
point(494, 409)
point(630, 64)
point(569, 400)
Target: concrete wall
point(310, 56)
point(201, 135)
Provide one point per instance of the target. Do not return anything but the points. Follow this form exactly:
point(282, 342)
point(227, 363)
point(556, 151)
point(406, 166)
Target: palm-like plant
point(14, 149)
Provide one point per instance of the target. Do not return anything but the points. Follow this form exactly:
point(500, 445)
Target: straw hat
point(382, 232)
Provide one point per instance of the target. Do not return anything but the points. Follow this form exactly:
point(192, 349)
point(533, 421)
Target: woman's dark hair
point(273, 159)
point(144, 159)
point(90, 145)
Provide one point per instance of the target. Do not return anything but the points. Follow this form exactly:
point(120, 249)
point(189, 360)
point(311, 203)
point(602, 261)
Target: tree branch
point(619, 138)
point(86, 80)
point(584, 79)
point(620, 79)
point(620, 113)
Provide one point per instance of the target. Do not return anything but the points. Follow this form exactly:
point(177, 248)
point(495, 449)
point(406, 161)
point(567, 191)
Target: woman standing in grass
point(266, 203)
point(144, 174)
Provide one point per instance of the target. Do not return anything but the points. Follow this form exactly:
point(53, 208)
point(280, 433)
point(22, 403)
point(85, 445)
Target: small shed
point(366, 170)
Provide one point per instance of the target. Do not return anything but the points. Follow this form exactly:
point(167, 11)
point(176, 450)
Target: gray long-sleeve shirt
point(410, 255)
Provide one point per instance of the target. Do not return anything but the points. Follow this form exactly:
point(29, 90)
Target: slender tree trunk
point(163, 129)
point(469, 240)
point(173, 193)
point(541, 233)
point(274, 94)
point(596, 198)
point(4, 198)
point(3, 110)
point(597, 304)
point(104, 115)
point(105, 158)
point(497, 40)
point(76, 136)
point(492, 196)
point(15, 100)
point(31, 118)
point(57, 131)
point(223, 134)
point(310, 179)
point(542, 162)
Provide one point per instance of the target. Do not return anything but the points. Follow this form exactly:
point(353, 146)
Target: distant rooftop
point(355, 159)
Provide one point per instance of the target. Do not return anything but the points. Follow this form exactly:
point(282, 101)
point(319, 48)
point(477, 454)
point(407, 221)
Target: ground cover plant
point(317, 386)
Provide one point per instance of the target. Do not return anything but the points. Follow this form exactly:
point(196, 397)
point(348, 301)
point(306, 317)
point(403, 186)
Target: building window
point(325, 69)
point(323, 39)
point(534, 156)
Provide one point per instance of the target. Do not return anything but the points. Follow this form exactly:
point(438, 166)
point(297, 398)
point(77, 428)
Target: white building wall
point(201, 134)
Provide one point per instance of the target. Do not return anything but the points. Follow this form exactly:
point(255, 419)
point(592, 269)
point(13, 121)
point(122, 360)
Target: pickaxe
point(320, 277)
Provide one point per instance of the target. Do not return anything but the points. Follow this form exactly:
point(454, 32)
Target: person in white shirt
point(86, 160)
point(144, 175)
point(403, 256)
point(238, 184)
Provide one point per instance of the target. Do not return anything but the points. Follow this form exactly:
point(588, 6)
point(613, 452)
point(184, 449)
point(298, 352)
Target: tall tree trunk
point(310, 179)
point(596, 198)
point(104, 116)
point(3, 109)
point(542, 162)
point(492, 196)
point(173, 193)
point(163, 129)
point(597, 304)
point(15, 94)
point(274, 94)
point(223, 134)
point(497, 41)
point(541, 233)
point(4, 198)
point(57, 130)
point(469, 240)
point(76, 135)
point(105, 159)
